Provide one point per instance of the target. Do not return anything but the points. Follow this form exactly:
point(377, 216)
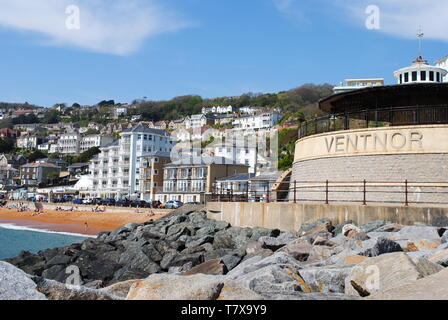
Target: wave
point(23, 228)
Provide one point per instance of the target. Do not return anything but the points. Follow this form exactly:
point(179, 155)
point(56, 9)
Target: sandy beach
point(74, 221)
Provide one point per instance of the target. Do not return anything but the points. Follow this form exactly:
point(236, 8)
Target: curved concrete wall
point(418, 154)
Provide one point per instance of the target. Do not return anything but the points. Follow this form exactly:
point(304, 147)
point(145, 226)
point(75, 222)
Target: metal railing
point(327, 192)
point(374, 118)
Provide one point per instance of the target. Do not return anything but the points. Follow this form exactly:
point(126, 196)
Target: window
point(406, 77)
point(139, 137)
point(145, 137)
point(414, 75)
point(423, 75)
point(438, 76)
point(431, 75)
point(156, 172)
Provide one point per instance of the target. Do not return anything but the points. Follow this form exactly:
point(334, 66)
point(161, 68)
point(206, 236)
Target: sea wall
point(418, 154)
point(290, 216)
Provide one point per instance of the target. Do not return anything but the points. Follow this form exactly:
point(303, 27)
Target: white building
point(94, 140)
point(69, 143)
point(116, 170)
point(28, 142)
point(443, 63)
point(249, 110)
point(238, 154)
point(199, 120)
point(121, 111)
point(420, 72)
point(256, 122)
point(356, 84)
point(218, 109)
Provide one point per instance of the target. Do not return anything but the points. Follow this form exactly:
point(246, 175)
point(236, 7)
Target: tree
point(106, 103)
point(87, 155)
point(51, 116)
point(53, 177)
point(36, 155)
point(6, 145)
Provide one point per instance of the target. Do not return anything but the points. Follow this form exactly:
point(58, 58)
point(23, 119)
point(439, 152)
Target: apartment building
point(28, 141)
point(115, 172)
point(151, 174)
point(199, 120)
point(8, 176)
point(177, 124)
point(217, 109)
point(69, 143)
point(265, 120)
point(9, 133)
point(192, 179)
point(38, 174)
point(12, 160)
point(94, 140)
point(239, 153)
point(48, 147)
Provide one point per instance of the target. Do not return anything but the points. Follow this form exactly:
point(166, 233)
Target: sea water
point(14, 239)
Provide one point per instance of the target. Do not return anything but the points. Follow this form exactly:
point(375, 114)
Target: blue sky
point(128, 49)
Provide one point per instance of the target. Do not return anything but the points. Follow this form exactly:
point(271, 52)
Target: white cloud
point(402, 18)
point(106, 26)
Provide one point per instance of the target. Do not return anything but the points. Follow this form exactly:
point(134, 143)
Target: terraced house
point(191, 179)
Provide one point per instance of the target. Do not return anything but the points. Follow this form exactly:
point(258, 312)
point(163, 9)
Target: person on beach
point(86, 227)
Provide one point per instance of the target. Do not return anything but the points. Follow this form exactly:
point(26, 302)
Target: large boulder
point(193, 287)
point(316, 226)
point(279, 272)
point(16, 284)
point(433, 287)
point(54, 290)
point(385, 272)
point(299, 250)
point(440, 257)
point(326, 279)
point(374, 225)
point(258, 262)
point(213, 267)
point(417, 233)
point(381, 246)
point(440, 221)
point(444, 238)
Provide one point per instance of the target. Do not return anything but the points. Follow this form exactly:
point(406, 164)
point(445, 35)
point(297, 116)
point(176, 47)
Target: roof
point(161, 154)
point(268, 176)
point(441, 59)
point(37, 165)
point(405, 95)
point(112, 144)
point(78, 165)
point(8, 168)
point(238, 177)
point(142, 128)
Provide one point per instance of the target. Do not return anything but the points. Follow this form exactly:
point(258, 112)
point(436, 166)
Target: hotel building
point(116, 171)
